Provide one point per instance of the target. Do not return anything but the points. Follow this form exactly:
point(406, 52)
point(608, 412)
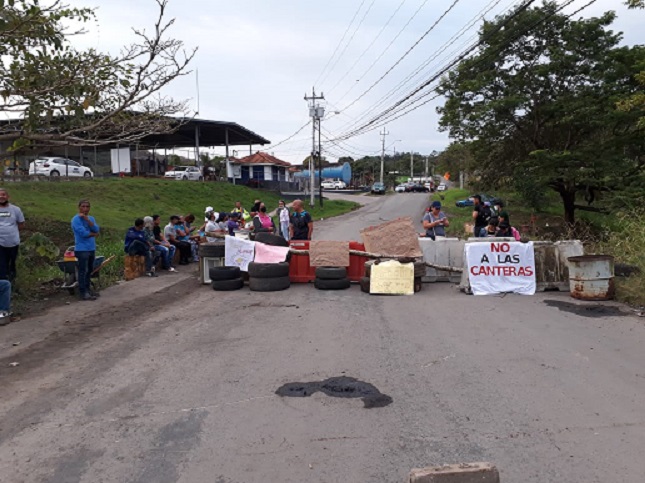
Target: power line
point(425, 34)
point(340, 41)
point(273, 146)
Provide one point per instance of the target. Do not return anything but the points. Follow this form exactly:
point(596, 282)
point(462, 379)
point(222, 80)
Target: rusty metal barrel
point(591, 277)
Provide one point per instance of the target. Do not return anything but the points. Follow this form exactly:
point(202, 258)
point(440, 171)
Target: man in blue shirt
point(136, 244)
point(85, 231)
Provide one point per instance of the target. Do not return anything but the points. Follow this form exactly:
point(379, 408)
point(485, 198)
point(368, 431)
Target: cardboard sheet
point(396, 238)
point(392, 278)
point(328, 253)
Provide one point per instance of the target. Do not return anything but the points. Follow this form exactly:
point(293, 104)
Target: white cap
point(209, 209)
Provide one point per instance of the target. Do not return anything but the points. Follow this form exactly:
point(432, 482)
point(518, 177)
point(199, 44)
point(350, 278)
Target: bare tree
point(57, 95)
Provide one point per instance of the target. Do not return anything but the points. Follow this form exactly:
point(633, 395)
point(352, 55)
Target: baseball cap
point(209, 209)
point(436, 204)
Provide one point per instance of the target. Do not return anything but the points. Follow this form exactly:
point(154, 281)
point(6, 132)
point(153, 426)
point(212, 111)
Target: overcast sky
point(257, 58)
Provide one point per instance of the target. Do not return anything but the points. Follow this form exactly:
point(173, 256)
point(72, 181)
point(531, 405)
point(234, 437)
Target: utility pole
point(426, 170)
point(383, 134)
point(316, 112)
point(411, 166)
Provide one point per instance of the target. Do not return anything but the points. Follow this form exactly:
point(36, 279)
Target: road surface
point(167, 381)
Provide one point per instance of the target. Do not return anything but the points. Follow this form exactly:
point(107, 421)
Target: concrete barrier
point(461, 473)
point(448, 252)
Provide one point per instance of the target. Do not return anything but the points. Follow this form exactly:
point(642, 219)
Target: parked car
point(330, 184)
point(417, 188)
point(441, 187)
point(400, 188)
point(53, 167)
point(378, 189)
point(493, 200)
point(190, 173)
point(429, 185)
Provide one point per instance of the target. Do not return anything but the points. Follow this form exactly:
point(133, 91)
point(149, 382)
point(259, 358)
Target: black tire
point(337, 284)
point(268, 270)
point(87, 174)
point(228, 285)
point(211, 250)
point(201, 178)
point(331, 273)
point(365, 284)
point(271, 239)
point(269, 284)
point(185, 178)
point(54, 174)
point(418, 284)
point(223, 273)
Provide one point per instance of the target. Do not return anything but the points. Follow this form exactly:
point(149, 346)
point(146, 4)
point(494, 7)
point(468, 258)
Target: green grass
point(50, 205)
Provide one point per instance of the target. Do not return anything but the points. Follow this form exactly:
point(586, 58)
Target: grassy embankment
point(621, 235)
point(49, 207)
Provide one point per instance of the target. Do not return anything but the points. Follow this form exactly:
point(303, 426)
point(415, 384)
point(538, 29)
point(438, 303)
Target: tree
point(539, 98)
point(58, 95)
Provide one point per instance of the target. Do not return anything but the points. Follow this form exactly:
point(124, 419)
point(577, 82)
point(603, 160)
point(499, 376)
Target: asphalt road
point(172, 382)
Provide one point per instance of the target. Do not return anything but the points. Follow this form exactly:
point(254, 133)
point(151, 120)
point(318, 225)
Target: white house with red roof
point(259, 167)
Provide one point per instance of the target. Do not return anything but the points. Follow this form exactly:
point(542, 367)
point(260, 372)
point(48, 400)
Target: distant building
point(259, 167)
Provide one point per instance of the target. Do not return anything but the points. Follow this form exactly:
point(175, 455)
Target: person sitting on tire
point(137, 245)
point(262, 223)
point(301, 225)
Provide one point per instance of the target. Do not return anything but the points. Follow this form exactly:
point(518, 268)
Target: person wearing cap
point(435, 221)
point(170, 232)
point(212, 227)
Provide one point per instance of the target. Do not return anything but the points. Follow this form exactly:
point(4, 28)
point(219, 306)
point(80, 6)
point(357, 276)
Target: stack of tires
point(331, 278)
point(211, 250)
point(225, 279)
point(419, 273)
point(269, 277)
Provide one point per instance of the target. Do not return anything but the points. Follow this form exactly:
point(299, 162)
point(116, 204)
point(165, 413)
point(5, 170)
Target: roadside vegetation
point(49, 207)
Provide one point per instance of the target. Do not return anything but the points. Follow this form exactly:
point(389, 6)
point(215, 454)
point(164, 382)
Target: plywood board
point(396, 238)
point(328, 253)
point(392, 278)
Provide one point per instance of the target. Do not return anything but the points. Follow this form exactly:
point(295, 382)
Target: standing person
point(162, 245)
point(283, 219)
point(85, 231)
point(302, 226)
point(262, 223)
point(170, 232)
point(137, 244)
point(481, 215)
point(11, 222)
point(435, 221)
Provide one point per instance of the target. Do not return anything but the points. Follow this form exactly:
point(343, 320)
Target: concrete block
point(448, 252)
point(460, 473)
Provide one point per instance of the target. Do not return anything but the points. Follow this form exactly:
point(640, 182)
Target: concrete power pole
point(411, 166)
point(426, 169)
point(316, 112)
point(383, 134)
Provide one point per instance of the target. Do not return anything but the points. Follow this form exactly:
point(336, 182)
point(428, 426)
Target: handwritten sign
point(392, 278)
point(238, 252)
point(499, 267)
point(270, 254)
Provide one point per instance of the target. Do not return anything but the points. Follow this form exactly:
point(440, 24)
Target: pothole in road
point(343, 387)
point(586, 310)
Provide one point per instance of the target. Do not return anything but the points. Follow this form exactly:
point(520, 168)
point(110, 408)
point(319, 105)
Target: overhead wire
point(331, 69)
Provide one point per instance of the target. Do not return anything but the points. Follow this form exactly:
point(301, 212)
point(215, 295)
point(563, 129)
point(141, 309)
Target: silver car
point(190, 173)
point(53, 167)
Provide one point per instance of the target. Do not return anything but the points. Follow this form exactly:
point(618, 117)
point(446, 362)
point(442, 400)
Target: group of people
point(488, 221)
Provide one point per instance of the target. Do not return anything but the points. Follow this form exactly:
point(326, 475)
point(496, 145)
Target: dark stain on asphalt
point(343, 387)
point(586, 310)
point(73, 465)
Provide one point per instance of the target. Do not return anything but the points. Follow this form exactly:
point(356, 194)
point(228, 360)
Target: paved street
point(173, 382)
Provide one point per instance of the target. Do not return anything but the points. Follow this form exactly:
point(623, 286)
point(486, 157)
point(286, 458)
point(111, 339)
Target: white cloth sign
point(238, 252)
point(499, 267)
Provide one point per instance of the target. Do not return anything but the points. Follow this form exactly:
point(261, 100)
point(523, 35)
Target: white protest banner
point(499, 267)
point(239, 252)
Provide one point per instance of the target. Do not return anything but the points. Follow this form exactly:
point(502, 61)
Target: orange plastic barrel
point(300, 271)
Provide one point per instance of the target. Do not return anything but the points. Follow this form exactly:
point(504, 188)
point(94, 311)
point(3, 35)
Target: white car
point(441, 187)
point(330, 184)
point(58, 167)
point(400, 188)
point(191, 173)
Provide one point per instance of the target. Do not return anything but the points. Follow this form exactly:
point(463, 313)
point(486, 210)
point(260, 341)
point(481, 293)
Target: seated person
point(5, 302)
point(504, 230)
point(491, 228)
point(262, 223)
point(136, 244)
point(212, 227)
point(233, 223)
